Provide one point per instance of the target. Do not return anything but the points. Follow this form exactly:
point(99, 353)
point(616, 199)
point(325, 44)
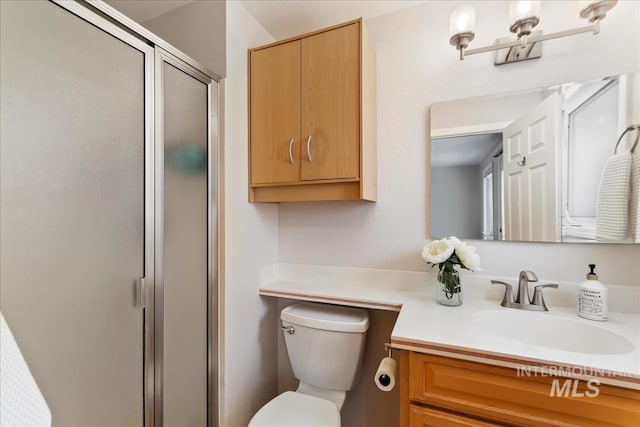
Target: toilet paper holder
point(387, 346)
point(385, 376)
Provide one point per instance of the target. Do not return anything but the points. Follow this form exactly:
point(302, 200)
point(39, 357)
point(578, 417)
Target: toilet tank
point(325, 344)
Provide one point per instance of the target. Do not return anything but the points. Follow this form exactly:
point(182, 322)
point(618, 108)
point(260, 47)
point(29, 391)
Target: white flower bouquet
point(447, 254)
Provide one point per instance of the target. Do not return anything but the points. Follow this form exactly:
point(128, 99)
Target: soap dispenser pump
point(592, 297)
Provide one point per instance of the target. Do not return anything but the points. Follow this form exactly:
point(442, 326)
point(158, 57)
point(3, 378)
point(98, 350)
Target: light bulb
point(523, 9)
point(462, 19)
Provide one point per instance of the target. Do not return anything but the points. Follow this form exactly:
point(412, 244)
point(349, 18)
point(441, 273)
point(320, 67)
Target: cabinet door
point(275, 114)
point(331, 104)
point(429, 417)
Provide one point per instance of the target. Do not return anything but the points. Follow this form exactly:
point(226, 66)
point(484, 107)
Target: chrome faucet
point(522, 300)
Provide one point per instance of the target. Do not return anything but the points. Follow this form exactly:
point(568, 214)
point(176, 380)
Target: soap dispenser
point(592, 297)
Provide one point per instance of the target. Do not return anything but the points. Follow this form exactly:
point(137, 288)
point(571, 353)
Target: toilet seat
point(291, 409)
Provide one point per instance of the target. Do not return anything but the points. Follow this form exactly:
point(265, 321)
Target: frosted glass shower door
point(72, 208)
point(184, 272)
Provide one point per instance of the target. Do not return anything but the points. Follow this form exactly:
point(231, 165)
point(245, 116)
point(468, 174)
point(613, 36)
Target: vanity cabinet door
point(275, 114)
point(331, 104)
point(420, 416)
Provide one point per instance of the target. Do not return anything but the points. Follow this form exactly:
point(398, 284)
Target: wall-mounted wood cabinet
point(440, 391)
point(312, 117)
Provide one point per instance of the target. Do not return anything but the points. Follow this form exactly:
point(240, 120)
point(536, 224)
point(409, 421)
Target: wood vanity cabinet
point(312, 129)
point(440, 391)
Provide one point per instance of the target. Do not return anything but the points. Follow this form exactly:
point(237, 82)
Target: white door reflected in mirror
point(531, 193)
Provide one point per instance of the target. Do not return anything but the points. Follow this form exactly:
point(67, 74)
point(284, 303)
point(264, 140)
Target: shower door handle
point(141, 293)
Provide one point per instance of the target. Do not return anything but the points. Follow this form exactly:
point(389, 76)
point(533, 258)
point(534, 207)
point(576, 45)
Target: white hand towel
point(612, 213)
point(21, 403)
point(634, 203)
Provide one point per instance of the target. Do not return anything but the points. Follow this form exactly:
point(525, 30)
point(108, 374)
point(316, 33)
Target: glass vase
point(449, 291)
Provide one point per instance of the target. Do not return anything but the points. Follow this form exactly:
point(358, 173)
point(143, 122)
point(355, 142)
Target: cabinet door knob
point(309, 148)
point(290, 151)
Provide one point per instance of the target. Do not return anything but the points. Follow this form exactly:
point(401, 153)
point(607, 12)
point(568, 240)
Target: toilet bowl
point(325, 344)
point(293, 409)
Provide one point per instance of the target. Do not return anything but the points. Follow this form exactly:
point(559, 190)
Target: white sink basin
point(552, 332)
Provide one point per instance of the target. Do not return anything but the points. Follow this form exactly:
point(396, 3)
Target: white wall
point(417, 67)
point(197, 29)
point(248, 337)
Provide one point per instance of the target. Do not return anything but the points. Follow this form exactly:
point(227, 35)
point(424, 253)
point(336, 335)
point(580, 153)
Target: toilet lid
point(292, 409)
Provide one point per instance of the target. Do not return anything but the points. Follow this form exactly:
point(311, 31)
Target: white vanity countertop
point(427, 327)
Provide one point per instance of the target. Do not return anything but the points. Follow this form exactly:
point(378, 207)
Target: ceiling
point(281, 18)
point(143, 10)
point(287, 18)
point(463, 150)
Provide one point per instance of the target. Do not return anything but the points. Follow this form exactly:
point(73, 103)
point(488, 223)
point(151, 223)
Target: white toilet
point(325, 344)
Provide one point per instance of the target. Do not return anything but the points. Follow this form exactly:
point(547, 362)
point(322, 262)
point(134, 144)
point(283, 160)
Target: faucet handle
point(538, 298)
point(508, 292)
point(529, 275)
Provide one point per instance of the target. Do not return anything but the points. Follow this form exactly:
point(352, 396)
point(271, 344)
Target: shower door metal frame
point(155, 50)
point(163, 56)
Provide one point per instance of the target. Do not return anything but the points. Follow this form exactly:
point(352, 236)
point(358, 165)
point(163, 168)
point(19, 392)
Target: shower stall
point(108, 216)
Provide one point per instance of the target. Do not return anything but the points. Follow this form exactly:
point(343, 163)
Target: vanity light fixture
point(524, 15)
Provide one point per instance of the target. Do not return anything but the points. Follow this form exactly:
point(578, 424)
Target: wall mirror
point(527, 166)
